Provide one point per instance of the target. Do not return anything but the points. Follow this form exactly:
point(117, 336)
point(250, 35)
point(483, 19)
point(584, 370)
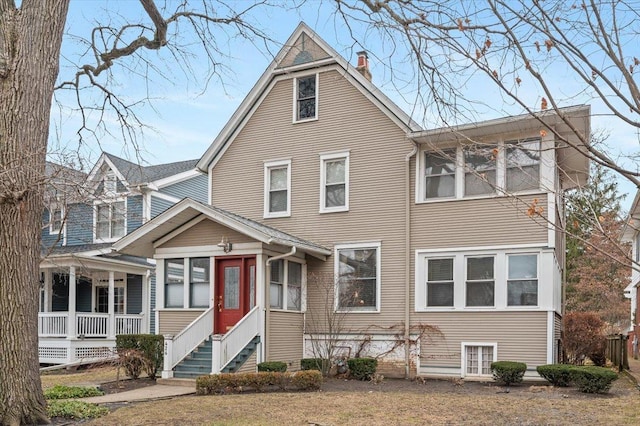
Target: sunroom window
point(480, 286)
point(480, 170)
point(523, 165)
point(522, 283)
point(440, 282)
point(440, 174)
point(358, 278)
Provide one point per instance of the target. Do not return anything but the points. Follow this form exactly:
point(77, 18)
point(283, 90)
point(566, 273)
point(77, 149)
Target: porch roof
point(141, 241)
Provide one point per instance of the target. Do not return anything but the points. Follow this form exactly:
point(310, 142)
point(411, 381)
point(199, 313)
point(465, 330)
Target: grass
point(552, 407)
point(101, 374)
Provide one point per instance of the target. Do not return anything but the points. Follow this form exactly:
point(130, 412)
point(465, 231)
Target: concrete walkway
point(143, 394)
point(634, 369)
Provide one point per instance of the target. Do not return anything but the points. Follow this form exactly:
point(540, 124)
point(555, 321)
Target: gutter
point(407, 262)
point(267, 297)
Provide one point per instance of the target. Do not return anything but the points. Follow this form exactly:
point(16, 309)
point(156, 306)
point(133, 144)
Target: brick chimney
point(363, 65)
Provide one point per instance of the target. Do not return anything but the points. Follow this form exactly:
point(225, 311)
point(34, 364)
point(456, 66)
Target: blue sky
point(182, 113)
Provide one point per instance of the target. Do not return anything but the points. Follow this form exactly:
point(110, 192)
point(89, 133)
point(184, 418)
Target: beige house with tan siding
point(440, 247)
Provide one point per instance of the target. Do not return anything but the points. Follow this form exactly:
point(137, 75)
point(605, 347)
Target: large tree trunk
point(30, 39)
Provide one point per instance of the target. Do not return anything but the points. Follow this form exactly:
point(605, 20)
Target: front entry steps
point(198, 362)
point(235, 364)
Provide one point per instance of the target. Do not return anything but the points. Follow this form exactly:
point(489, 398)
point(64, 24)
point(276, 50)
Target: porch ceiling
point(141, 241)
point(116, 263)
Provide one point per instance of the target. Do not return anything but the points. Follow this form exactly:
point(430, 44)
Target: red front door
point(235, 291)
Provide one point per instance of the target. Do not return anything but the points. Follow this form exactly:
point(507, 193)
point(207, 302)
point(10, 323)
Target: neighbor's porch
point(83, 309)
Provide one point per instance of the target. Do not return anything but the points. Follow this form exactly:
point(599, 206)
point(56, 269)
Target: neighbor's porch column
point(48, 290)
point(71, 330)
point(111, 322)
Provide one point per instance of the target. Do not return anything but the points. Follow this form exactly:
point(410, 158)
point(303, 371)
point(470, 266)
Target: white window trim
point(465, 280)
point(501, 265)
point(463, 357)
point(324, 158)
point(63, 222)
point(336, 267)
point(295, 98)
point(276, 164)
point(97, 203)
point(285, 285)
point(501, 170)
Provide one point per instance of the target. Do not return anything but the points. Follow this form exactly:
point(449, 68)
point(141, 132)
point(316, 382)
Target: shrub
point(591, 379)
point(556, 374)
point(314, 364)
point(362, 368)
point(307, 380)
point(236, 382)
point(584, 337)
point(272, 366)
point(66, 392)
point(148, 356)
point(508, 372)
point(75, 410)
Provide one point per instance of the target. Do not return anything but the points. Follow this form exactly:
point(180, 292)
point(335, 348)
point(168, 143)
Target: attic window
point(306, 98)
point(110, 183)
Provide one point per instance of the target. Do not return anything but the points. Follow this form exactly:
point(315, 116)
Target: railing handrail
point(192, 341)
point(92, 314)
point(239, 327)
point(53, 314)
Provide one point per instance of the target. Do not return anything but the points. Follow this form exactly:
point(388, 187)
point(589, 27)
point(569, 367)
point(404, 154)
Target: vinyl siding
point(347, 121)
point(173, 322)
point(194, 188)
point(521, 336)
point(206, 233)
point(79, 224)
point(134, 213)
point(285, 339)
point(158, 205)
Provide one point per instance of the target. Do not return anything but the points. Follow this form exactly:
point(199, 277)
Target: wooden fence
point(616, 351)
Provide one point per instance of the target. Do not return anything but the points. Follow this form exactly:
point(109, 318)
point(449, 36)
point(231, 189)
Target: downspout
point(267, 297)
point(407, 262)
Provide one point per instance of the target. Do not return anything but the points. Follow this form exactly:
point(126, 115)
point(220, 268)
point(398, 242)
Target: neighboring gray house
point(88, 293)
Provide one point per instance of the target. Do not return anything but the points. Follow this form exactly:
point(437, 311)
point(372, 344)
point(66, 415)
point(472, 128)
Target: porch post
point(71, 327)
point(146, 285)
point(47, 290)
point(111, 325)
point(167, 371)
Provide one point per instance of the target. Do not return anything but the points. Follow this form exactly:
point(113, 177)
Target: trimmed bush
point(273, 366)
point(508, 372)
point(75, 410)
point(237, 382)
point(314, 364)
point(556, 374)
point(592, 379)
point(362, 368)
point(66, 392)
point(141, 352)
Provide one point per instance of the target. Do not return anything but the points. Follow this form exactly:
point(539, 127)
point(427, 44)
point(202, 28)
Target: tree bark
point(30, 40)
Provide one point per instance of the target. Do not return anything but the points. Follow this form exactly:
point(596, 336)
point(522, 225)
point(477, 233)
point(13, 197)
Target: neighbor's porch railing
point(227, 346)
point(55, 324)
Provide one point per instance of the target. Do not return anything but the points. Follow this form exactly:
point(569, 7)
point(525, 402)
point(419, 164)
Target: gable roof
point(275, 69)
point(135, 174)
point(141, 241)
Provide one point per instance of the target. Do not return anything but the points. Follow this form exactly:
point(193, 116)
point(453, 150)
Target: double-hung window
point(277, 188)
point(523, 165)
point(480, 170)
point(197, 276)
point(480, 284)
point(522, 281)
point(306, 98)
point(440, 282)
point(440, 174)
point(56, 220)
point(334, 182)
point(110, 220)
point(174, 283)
point(286, 285)
point(358, 268)
point(199, 282)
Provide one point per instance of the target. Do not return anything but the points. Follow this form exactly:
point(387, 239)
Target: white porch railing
point(92, 325)
point(88, 324)
point(227, 346)
point(179, 346)
point(128, 324)
point(52, 324)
